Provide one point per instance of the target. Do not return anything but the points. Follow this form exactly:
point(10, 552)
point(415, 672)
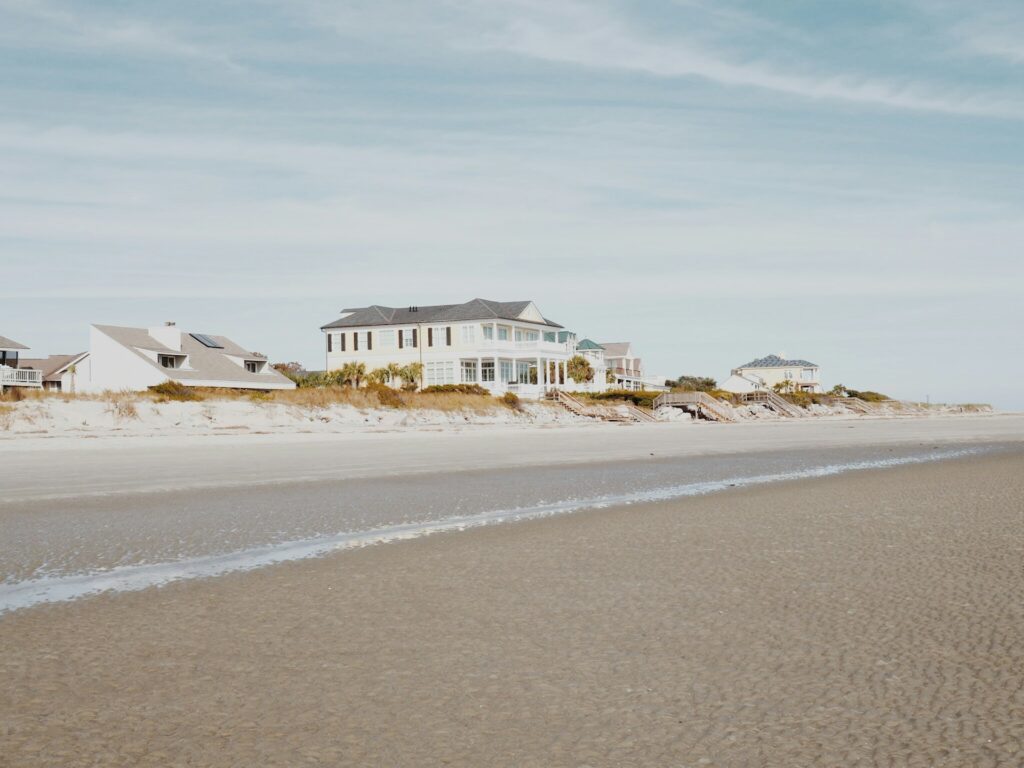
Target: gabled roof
point(53, 366)
point(205, 363)
point(588, 344)
point(616, 348)
point(774, 361)
point(476, 309)
point(6, 343)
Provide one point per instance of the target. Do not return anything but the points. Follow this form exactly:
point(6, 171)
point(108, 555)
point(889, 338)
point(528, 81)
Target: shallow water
point(54, 552)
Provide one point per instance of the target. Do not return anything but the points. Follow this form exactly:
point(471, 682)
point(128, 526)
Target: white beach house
point(504, 346)
point(11, 374)
point(766, 372)
point(123, 358)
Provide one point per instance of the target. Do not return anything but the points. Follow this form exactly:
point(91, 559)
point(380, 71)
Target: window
point(440, 336)
point(436, 374)
point(487, 371)
point(363, 340)
point(489, 332)
point(168, 361)
point(468, 371)
point(468, 334)
point(788, 375)
point(506, 371)
point(254, 366)
point(502, 333)
point(523, 372)
point(525, 335)
point(550, 336)
point(807, 374)
point(409, 337)
point(386, 339)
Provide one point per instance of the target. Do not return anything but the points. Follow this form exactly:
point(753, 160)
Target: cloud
point(588, 36)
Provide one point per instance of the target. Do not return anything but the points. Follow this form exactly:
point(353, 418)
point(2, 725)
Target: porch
point(20, 377)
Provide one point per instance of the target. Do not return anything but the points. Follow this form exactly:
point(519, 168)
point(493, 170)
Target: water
point(53, 553)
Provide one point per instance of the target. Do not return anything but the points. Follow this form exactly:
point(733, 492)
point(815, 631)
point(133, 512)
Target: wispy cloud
point(596, 38)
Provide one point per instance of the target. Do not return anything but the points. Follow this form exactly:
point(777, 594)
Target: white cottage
point(766, 372)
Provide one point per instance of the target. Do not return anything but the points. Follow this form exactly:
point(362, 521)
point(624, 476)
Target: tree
point(73, 369)
point(838, 391)
point(579, 369)
point(696, 383)
point(378, 376)
point(352, 373)
point(394, 371)
point(784, 387)
point(411, 375)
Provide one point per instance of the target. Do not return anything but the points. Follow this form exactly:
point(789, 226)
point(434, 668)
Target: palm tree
point(579, 369)
point(394, 371)
point(378, 376)
point(411, 375)
point(352, 373)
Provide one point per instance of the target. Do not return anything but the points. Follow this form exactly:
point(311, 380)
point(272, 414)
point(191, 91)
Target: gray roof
point(53, 366)
point(205, 363)
point(476, 309)
point(615, 348)
point(774, 361)
point(6, 343)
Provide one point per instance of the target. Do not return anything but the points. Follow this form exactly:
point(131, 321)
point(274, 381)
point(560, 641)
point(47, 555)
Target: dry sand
point(868, 619)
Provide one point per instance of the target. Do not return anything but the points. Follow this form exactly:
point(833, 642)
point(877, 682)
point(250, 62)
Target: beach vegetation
point(121, 405)
point(176, 391)
point(687, 383)
point(462, 389)
point(511, 399)
point(6, 416)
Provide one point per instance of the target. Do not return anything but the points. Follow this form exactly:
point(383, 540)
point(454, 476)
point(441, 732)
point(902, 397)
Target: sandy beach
point(865, 619)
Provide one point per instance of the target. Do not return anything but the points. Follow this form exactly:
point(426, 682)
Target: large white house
point(136, 358)
point(766, 372)
point(11, 375)
point(504, 346)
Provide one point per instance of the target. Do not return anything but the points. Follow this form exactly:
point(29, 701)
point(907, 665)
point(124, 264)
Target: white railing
point(20, 377)
point(538, 346)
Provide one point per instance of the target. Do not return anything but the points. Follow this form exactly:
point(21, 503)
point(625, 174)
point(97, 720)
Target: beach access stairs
point(775, 402)
point(855, 404)
point(628, 413)
point(701, 404)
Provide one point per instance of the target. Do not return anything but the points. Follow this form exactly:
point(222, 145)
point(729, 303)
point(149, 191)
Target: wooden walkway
point(629, 413)
point(699, 403)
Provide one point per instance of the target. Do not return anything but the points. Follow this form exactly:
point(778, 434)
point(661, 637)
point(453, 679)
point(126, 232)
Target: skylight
point(206, 341)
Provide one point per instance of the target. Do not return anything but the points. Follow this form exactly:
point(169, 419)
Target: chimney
point(414, 309)
point(167, 335)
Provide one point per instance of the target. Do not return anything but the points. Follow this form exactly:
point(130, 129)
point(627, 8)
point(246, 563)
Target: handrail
point(23, 377)
point(705, 404)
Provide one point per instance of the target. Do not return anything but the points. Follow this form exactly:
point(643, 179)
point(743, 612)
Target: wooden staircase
point(595, 411)
point(854, 404)
point(776, 402)
point(700, 403)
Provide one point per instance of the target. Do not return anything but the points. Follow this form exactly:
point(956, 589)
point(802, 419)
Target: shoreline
point(860, 617)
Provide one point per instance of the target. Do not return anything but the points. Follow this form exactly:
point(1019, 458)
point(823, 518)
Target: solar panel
point(206, 341)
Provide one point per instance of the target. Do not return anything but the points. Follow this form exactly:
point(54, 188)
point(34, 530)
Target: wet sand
point(866, 619)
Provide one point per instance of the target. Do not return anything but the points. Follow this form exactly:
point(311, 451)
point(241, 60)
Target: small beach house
point(136, 358)
point(766, 372)
point(504, 346)
point(59, 372)
point(625, 369)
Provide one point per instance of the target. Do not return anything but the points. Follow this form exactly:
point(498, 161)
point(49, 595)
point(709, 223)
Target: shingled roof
point(476, 309)
point(774, 361)
point(6, 343)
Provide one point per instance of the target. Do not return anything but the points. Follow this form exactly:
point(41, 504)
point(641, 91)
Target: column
point(479, 370)
point(540, 374)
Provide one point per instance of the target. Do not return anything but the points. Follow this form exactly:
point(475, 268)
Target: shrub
point(511, 399)
point(13, 395)
point(6, 416)
point(579, 369)
point(695, 383)
point(122, 405)
point(386, 396)
point(643, 398)
point(174, 390)
point(867, 395)
point(461, 389)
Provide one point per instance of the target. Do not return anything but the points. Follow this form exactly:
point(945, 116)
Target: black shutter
point(369, 339)
point(355, 341)
point(448, 335)
point(430, 337)
point(401, 343)
point(415, 339)
point(329, 335)
point(342, 337)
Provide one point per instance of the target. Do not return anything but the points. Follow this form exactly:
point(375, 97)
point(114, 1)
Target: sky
point(712, 180)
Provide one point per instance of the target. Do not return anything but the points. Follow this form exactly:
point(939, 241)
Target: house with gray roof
point(122, 358)
point(771, 371)
point(59, 372)
point(503, 346)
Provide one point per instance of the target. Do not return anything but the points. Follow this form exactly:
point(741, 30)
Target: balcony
point(20, 377)
point(525, 346)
